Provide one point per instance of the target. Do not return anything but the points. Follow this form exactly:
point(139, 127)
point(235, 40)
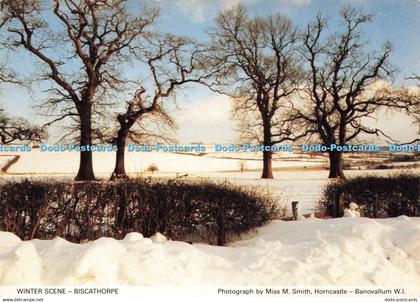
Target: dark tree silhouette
point(133, 126)
point(345, 84)
point(258, 69)
point(171, 63)
point(13, 129)
point(416, 110)
point(82, 52)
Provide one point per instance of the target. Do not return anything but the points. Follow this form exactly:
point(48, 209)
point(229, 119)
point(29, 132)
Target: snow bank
point(350, 251)
point(352, 211)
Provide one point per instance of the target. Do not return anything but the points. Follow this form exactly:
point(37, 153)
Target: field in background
point(298, 177)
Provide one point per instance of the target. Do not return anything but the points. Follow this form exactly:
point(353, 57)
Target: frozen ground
point(36, 162)
point(345, 251)
point(298, 182)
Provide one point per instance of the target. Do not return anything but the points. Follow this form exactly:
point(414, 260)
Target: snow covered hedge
point(79, 211)
point(378, 196)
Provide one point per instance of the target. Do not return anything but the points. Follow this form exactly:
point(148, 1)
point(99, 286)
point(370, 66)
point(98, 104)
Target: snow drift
point(349, 251)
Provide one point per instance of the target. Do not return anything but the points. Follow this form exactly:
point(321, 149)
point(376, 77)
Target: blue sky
point(397, 21)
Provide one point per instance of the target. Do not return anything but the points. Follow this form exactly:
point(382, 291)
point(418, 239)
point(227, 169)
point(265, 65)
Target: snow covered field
point(37, 162)
point(297, 182)
point(345, 252)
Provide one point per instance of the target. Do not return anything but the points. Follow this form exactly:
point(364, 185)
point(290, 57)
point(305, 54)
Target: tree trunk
point(336, 165)
point(86, 165)
point(267, 167)
point(119, 170)
point(267, 155)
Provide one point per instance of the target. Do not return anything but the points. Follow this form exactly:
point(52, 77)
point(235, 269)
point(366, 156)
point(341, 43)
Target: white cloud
point(225, 4)
point(230, 3)
point(196, 9)
point(294, 2)
point(206, 120)
point(193, 8)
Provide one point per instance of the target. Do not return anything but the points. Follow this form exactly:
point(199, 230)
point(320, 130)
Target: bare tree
point(133, 126)
point(14, 129)
point(258, 69)
point(345, 84)
point(82, 52)
point(7, 76)
point(416, 110)
point(171, 63)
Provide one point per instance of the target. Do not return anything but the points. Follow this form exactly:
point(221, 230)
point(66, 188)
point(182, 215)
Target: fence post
point(295, 209)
